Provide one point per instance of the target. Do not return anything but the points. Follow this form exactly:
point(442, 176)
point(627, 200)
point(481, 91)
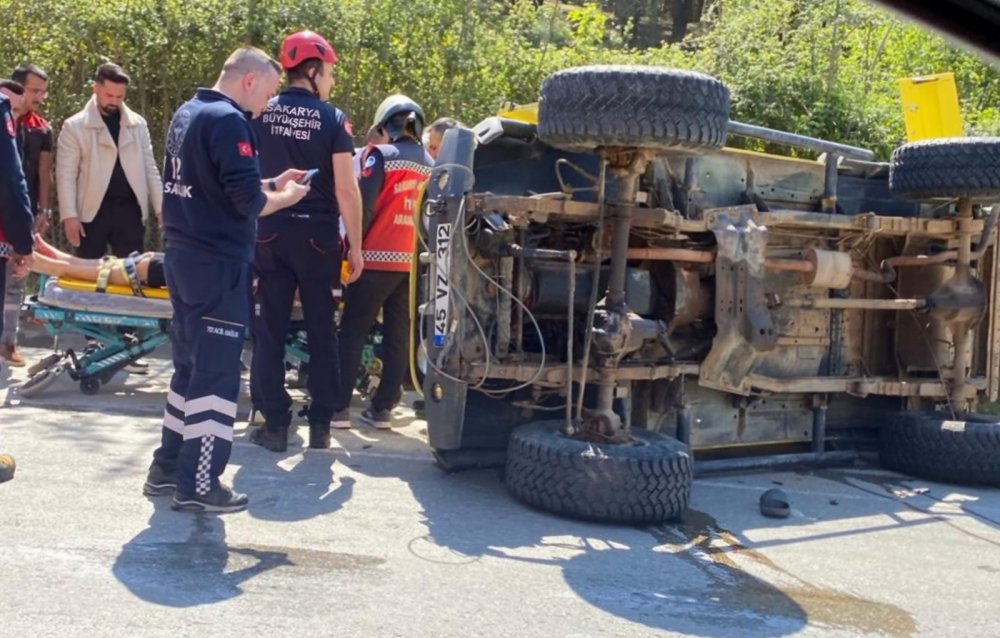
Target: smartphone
point(311, 173)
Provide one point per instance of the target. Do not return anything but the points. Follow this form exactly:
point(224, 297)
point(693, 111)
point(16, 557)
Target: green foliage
point(828, 68)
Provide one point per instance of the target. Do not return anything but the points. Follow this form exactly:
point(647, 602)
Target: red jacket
point(392, 179)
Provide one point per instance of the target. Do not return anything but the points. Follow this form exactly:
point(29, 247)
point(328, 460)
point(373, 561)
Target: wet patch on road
point(699, 541)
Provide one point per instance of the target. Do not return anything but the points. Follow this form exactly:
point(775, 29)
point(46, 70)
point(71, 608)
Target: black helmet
point(396, 113)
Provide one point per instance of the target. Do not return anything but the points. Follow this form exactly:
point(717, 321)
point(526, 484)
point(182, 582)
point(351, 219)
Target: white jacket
point(85, 159)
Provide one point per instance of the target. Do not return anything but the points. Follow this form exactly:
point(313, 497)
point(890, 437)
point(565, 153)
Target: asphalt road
point(371, 539)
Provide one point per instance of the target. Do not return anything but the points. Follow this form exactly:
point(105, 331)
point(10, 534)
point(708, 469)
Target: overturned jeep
point(611, 300)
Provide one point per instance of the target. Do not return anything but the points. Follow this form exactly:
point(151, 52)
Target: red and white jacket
point(392, 179)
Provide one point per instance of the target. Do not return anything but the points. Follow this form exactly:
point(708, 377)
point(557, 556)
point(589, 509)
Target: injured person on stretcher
point(135, 271)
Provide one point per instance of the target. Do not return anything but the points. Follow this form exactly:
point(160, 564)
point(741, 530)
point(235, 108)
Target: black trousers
point(375, 289)
point(118, 224)
point(304, 254)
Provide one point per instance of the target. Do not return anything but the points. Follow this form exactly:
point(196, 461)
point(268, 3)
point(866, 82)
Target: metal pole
point(595, 284)
point(568, 428)
point(963, 273)
point(684, 424)
point(819, 428)
point(799, 141)
point(702, 468)
point(856, 304)
point(830, 184)
point(615, 298)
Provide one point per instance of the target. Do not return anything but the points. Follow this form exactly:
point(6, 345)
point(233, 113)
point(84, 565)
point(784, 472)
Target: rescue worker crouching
point(392, 178)
point(299, 248)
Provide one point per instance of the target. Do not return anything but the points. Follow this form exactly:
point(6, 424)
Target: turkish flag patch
point(349, 128)
point(245, 149)
point(10, 126)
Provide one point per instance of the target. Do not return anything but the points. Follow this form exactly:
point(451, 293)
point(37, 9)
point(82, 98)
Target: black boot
point(319, 436)
point(273, 435)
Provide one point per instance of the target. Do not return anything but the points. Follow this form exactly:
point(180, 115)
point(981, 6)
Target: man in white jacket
point(106, 176)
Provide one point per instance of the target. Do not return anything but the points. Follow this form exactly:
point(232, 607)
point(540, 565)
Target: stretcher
point(369, 372)
point(121, 327)
point(127, 327)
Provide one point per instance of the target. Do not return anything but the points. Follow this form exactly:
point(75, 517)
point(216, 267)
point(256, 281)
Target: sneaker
point(299, 382)
point(341, 420)
point(139, 366)
point(220, 499)
point(10, 354)
point(158, 482)
point(379, 419)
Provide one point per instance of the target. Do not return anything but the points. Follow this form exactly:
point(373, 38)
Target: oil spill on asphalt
point(205, 569)
point(178, 556)
point(702, 543)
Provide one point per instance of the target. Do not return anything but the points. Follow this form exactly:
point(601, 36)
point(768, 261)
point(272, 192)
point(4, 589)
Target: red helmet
point(306, 45)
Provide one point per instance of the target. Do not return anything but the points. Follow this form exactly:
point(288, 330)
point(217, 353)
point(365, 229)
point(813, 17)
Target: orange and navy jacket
point(392, 178)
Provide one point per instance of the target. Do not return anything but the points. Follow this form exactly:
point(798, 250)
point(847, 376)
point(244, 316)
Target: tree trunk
point(680, 13)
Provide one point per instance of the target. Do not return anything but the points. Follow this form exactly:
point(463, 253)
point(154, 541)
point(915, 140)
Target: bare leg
point(88, 269)
point(45, 248)
point(46, 265)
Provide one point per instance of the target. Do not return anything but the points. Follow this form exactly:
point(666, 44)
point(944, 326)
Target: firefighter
point(213, 197)
point(392, 178)
point(299, 247)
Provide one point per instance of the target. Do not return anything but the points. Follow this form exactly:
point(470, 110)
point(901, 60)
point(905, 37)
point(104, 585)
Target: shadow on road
point(202, 569)
point(659, 578)
point(292, 486)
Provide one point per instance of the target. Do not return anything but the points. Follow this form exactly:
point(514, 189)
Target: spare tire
point(947, 169)
point(647, 481)
point(588, 107)
point(932, 446)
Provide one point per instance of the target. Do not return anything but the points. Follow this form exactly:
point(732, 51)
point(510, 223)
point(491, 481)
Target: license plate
point(442, 256)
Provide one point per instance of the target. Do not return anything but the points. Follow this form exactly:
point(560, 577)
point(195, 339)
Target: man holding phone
point(299, 248)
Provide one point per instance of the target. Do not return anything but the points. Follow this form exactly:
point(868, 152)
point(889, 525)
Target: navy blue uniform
point(299, 248)
point(15, 207)
point(212, 197)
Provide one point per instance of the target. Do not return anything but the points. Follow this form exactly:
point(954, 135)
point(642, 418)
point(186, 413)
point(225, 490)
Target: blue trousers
point(303, 255)
point(211, 311)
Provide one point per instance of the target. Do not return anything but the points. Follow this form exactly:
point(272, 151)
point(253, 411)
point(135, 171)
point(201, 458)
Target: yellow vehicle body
point(930, 107)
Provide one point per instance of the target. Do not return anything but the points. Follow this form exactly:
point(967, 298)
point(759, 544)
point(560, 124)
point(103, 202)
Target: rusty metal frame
point(540, 209)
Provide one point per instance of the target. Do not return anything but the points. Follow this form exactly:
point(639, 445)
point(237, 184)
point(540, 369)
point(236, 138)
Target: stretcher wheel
point(44, 363)
point(90, 385)
point(38, 383)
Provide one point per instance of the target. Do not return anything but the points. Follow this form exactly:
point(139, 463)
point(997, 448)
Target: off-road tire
point(584, 108)
point(646, 482)
point(947, 169)
point(932, 446)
